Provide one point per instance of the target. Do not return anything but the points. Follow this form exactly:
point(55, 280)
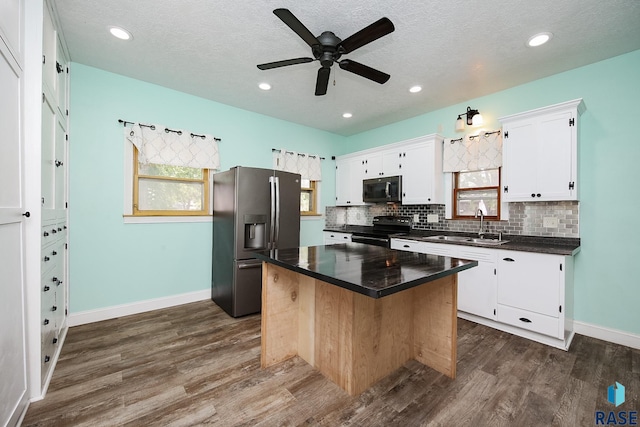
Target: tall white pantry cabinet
point(34, 80)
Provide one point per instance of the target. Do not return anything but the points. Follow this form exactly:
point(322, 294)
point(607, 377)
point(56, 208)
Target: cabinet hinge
point(560, 267)
point(67, 70)
point(67, 111)
point(43, 98)
point(44, 59)
point(506, 134)
point(571, 185)
point(572, 121)
point(506, 188)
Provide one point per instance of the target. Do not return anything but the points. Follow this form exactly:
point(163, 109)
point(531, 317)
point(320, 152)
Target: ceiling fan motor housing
point(327, 52)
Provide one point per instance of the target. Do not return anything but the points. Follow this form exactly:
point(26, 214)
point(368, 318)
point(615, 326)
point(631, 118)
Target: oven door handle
point(364, 239)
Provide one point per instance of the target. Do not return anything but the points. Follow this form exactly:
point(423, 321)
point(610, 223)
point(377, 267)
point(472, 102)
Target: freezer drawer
point(247, 298)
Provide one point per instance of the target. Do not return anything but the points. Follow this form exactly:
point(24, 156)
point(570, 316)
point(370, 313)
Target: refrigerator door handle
point(277, 191)
point(272, 218)
point(247, 265)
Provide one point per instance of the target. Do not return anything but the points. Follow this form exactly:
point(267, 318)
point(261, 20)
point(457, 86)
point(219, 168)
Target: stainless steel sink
point(449, 238)
point(490, 242)
point(487, 241)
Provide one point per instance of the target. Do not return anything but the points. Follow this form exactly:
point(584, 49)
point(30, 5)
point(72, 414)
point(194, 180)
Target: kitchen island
point(358, 312)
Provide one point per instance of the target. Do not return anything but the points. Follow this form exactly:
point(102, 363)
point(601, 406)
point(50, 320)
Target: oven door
point(376, 241)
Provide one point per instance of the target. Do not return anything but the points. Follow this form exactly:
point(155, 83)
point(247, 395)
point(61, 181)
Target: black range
point(380, 233)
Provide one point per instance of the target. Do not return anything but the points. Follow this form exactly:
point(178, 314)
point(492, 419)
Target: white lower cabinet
point(532, 291)
point(333, 237)
point(524, 293)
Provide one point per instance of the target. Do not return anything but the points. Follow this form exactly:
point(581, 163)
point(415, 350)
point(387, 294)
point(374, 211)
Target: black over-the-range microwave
point(382, 190)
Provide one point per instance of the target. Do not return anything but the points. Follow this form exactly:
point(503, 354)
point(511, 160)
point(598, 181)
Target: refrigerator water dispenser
point(255, 227)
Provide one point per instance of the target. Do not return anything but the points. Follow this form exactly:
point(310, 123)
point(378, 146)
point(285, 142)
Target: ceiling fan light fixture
point(264, 86)
point(415, 89)
point(120, 33)
point(347, 115)
point(539, 39)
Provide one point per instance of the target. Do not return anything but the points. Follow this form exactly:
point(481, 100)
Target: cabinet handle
point(58, 163)
point(345, 237)
point(59, 229)
point(508, 259)
point(533, 195)
point(46, 321)
point(59, 283)
point(46, 259)
point(65, 227)
point(55, 341)
point(54, 308)
point(54, 253)
point(525, 320)
point(406, 246)
point(46, 359)
point(54, 231)
point(538, 195)
point(27, 214)
point(46, 288)
point(54, 279)
point(45, 234)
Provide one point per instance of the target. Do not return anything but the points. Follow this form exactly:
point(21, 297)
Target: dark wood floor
point(194, 365)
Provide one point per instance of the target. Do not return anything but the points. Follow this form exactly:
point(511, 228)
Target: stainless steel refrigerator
point(253, 209)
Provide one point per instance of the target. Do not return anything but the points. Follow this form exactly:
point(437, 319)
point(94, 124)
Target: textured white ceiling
point(457, 50)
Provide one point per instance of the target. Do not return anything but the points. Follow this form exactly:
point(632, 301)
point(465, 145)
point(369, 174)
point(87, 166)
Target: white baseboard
point(90, 316)
point(606, 334)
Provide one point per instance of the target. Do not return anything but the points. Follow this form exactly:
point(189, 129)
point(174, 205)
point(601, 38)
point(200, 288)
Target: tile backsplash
point(524, 218)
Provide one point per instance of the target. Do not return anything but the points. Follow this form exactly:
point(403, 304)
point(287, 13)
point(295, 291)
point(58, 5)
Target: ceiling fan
point(328, 48)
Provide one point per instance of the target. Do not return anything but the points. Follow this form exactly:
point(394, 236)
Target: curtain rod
point(167, 130)
point(451, 141)
point(291, 152)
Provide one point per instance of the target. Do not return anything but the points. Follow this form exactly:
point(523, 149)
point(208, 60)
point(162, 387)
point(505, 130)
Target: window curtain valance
point(472, 153)
point(176, 147)
point(307, 165)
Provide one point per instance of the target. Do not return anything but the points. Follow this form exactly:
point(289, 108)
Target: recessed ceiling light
point(539, 39)
point(120, 33)
point(347, 115)
point(264, 86)
point(415, 89)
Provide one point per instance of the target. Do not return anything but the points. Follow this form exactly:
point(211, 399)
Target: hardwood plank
point(210, 375)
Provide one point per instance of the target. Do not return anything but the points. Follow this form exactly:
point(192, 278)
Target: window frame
point(135, 212)
point(456, 190)
point(314, 198)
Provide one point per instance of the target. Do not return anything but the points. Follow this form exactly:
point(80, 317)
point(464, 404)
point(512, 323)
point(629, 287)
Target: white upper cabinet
point(349, 176)
point(418, 161)
point(11, 23)
point(540, 150)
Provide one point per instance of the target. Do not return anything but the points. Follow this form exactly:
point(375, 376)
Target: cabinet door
point(343, 188)
point(478, 286)
point(62, 80)
point(407, 245)
point(59, 165)
point(531, 281)
point(392, 163)
point(48, 169)
point(555, 153)
point(520, 154)
point(372, 166)
point(418, 175)
point(49, 47)
point(332, 237)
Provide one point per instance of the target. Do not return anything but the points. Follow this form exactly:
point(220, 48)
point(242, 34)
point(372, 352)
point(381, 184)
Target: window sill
point(129, 219)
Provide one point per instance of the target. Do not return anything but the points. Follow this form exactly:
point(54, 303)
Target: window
point(163, 190)
point(471, 189)
point(308, 197)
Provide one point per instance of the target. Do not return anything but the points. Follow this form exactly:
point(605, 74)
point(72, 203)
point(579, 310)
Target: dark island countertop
point(545, 245)
point(369, 270)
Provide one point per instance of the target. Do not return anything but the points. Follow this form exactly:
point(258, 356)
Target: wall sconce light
point(474, 118)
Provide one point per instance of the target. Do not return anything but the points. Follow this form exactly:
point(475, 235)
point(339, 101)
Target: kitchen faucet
point(481, 212)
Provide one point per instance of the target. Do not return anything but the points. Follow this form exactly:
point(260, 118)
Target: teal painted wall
point(607, 288)
point(113, 263)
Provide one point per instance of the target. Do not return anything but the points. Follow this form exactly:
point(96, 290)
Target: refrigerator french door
point(253, 209)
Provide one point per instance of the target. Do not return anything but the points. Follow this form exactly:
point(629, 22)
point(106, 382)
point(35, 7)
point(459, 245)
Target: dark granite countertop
point(545, 245)
point(369, 270)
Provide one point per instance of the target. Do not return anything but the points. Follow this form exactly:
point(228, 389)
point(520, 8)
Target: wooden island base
point(353, 339)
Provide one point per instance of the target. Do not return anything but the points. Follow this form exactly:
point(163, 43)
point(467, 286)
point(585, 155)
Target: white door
point(13, 378)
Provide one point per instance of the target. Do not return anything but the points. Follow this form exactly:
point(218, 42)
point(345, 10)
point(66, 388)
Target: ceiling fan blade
point(270, 65)
point(380, 28)
point(364, 71)
point(298, 27)
point(323, 81)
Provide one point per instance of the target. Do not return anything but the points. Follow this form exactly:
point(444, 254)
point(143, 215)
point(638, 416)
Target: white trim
point(165, 219)
point(112, 312)
point(611, 335)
